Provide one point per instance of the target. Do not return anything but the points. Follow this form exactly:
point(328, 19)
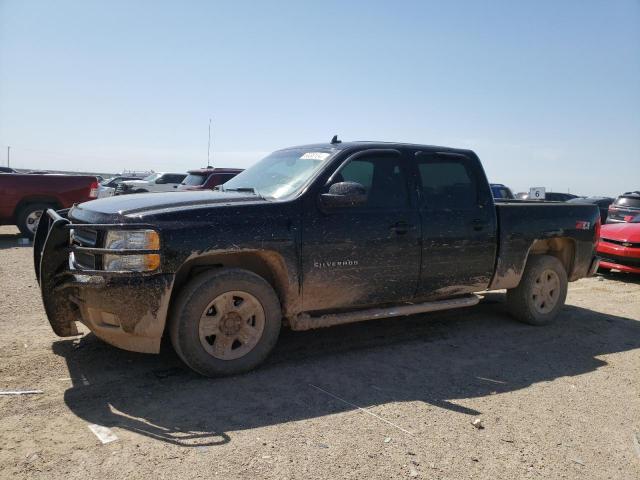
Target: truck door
point(367, 254)
point(458, 225)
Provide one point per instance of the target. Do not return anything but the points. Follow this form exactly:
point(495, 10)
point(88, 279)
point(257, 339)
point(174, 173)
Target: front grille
point(84, 237)
point(621, 243)
point(626, 261)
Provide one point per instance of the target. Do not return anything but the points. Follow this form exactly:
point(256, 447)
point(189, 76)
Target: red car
point(619, 247)
point(23, 198)
point(207, 178)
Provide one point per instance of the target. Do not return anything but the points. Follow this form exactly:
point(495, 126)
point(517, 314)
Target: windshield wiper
point(240, 189)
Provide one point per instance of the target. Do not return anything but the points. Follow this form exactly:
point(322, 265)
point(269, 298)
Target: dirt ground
point(385, 399)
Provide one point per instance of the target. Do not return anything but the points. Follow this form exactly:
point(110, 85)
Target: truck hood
point(624, 232)
point(145, 203)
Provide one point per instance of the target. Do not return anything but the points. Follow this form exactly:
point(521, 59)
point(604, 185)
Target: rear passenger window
point(225, 177)
point(174, 178)
point(447, 184)
point(630, 201)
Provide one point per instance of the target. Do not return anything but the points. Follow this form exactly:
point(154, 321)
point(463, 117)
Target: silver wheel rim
point(231, 325)
point(546, 291)
point(33, 219)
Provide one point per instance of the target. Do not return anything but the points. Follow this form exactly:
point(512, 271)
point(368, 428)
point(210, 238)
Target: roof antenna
point(335, 140)
point(209, 145)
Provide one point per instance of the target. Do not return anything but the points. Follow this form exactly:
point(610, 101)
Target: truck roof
point(377, 144)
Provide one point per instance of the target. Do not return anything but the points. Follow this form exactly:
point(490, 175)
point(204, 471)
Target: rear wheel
point(542, 291)
point(225, 322)
point(29, 216)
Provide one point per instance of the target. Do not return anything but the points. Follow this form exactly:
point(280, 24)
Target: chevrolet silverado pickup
point(24, 197)
point(310, 236)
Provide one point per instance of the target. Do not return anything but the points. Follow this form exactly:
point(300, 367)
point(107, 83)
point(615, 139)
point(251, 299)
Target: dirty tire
point(542, 291)
point(196, 305)
point(25, 217)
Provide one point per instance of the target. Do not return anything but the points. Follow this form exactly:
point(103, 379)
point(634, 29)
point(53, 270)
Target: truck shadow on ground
point(437, 359)
point(13, 240)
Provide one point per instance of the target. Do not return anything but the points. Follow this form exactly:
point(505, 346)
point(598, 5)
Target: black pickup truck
point(308, 237)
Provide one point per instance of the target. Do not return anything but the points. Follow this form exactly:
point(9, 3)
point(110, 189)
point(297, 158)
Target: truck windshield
point(195, 179)
point(151, 177)
point(279, 174)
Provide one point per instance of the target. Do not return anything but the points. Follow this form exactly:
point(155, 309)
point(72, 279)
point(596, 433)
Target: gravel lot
point(385, 399)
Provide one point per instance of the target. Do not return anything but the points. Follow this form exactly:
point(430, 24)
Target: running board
point(304, 321)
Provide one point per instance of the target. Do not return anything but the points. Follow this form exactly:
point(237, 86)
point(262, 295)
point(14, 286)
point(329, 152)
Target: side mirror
point(344, 194)
point(160, 181)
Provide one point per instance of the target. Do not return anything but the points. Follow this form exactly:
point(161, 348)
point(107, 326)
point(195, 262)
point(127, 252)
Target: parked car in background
point(619, 247)
point(156, 182)
point(558, 197)
point(7, 170)
point(207, 178)
point(626, 208)
point(501, 192)
point(23, 197)
point(550, 197)
point(602, 203)
point(108, 187)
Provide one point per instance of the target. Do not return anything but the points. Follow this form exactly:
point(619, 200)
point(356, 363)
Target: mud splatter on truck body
point(412, 238)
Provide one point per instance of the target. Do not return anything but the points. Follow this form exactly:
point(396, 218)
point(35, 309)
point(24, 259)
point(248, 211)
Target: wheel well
point(564, 249)
point(38, 199)
point(268, 265)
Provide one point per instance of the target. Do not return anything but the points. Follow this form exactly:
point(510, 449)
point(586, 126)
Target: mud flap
point(593, 268)
point(51, 262)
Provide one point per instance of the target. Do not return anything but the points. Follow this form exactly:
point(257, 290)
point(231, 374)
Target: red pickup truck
point(23, 198)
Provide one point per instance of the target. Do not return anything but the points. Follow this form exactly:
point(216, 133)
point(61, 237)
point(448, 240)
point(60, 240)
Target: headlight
point(132, 240)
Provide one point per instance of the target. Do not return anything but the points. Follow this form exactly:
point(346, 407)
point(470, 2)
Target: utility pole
point(209, 145)
point(8, 155)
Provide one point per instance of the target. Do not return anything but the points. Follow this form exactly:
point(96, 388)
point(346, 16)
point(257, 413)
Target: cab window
point(382, 177)
point(446, 183)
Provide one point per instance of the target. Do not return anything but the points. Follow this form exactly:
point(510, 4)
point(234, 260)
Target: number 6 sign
point(536, 193)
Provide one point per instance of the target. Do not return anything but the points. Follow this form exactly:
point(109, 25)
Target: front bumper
point(619, 266)
point(618, 257)
point(125, 309)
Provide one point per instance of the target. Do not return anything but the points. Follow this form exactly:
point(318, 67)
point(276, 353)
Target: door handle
point(478, 224)
point(400, 228)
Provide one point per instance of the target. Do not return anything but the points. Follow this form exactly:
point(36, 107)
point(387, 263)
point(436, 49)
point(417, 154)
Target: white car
point(108, 186)
point(156, 182)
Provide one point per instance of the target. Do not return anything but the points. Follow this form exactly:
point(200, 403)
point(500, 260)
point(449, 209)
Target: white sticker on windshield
point(314, 156)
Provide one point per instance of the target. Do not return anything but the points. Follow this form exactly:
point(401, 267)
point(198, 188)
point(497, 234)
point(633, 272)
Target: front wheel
point(225, 322)
point(541, 293)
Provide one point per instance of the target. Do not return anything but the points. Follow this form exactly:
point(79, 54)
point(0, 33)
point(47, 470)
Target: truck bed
point(523, 225)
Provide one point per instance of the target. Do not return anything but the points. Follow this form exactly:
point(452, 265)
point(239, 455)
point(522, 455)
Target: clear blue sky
point(546, 92)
